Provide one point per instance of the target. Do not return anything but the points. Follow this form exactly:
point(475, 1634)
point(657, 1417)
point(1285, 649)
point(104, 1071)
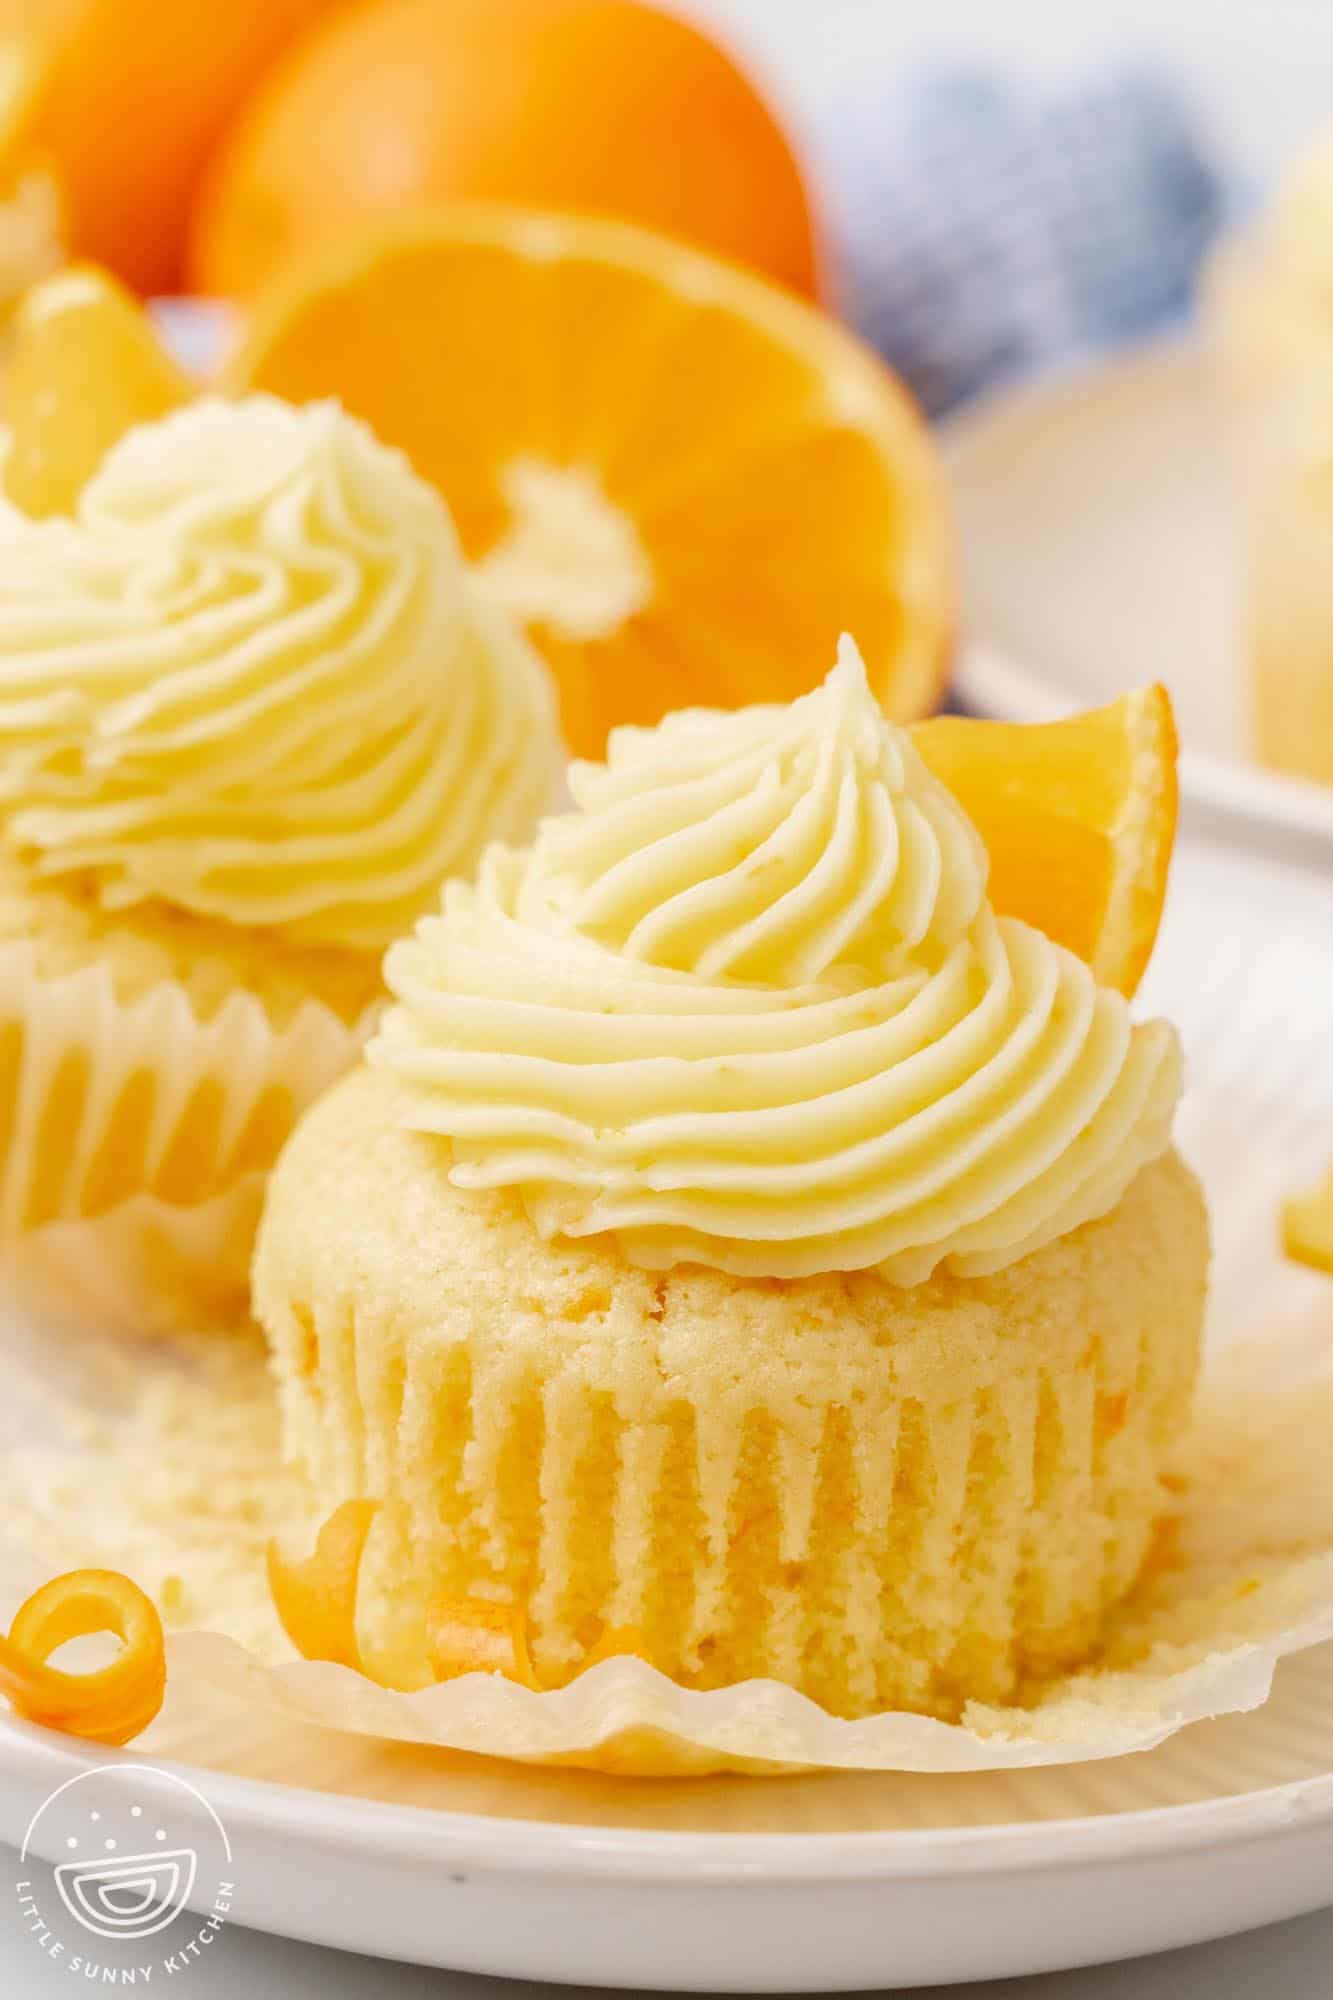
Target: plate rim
point(563, 1849)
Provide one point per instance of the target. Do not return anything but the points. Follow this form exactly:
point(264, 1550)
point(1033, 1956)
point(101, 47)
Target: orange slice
point(1079, 818)
point(113, 1703)
point(85, 366)
point(685, 482)
point(1307, 1226)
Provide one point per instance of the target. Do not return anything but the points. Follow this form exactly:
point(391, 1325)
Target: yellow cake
point(743, 1235)
point(251, 714)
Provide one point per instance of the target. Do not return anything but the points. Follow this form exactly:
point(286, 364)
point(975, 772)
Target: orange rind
point(315, 1598)
point(112, 1704)
point(316, 1602)
point(466, 1635)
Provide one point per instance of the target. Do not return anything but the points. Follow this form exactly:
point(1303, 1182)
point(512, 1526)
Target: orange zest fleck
point(466, 1635)
point(315, 1599)
point(113, 1703)
point(617, 1642)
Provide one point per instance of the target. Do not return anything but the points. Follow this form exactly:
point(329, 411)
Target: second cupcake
point(251, 714)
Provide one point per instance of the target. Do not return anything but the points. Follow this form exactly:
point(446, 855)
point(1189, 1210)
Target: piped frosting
point(250, 678)
point(748, 1006)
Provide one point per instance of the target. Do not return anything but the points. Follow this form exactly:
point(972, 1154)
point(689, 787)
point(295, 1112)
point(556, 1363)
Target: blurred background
point(1095, 245)
point(1257, 69)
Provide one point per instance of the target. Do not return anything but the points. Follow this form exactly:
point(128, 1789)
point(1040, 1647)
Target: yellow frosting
point(251, 679)
point(748, 1007)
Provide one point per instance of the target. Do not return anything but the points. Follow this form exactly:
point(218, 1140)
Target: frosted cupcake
point(743, 1235)
point(1270, 301)
point(250, 716)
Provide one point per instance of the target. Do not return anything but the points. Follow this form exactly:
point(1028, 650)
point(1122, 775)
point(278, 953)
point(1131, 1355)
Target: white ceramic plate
point(1098, 553)
point(927, 1888)
point(820, 1884)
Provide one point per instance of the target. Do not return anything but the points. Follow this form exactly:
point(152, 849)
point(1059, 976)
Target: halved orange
point(1307, 1226)
point(85, 365)
point(1079, 818)
point(685, 482)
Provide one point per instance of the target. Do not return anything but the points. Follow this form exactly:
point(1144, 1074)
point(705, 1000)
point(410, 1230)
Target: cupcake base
point(885, 1497)
point(151, 1066)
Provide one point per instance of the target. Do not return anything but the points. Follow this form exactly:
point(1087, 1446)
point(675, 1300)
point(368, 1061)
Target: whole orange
point(130, 99)
point(603, 106)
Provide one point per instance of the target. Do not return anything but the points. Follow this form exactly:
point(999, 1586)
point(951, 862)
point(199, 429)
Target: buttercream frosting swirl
point(250, 678)
point(749, 1006)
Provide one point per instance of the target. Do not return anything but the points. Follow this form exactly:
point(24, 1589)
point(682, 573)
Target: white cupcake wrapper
point(145, 1262)
point(1253, 1582)
point(625, 1715)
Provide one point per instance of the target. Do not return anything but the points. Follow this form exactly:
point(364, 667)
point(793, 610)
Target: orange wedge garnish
point(315, 1598)
point(1307, 1226)
point(1079, 818)
point(85, 365)
point(683, 481)
point(112, 1704)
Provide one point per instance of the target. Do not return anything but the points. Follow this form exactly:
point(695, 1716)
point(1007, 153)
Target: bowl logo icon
point(130, 1896)
point(140, 1873)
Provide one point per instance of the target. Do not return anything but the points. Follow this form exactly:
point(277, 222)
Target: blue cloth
point(992, 227)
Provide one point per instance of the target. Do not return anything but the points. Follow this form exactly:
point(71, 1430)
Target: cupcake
point(1269, 298)
point(1270, 289)
point(742, 1234)
point(251, 715)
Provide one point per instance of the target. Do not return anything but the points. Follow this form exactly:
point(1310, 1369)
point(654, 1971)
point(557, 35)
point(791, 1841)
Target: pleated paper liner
point(1283, 1743)
point(137, 1138)
point(183, 1487)
point(170, 1468)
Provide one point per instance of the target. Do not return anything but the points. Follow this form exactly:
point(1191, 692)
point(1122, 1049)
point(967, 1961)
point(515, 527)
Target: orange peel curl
point(113, 1703)
point(315, 1598)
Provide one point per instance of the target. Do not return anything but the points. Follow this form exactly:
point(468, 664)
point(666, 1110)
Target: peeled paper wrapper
point(143, 1262)
point(172, 1471)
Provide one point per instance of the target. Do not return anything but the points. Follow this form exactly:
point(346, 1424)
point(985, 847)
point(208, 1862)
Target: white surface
point(1260, 68)
point(1228, 1825)
point(1098, 553)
